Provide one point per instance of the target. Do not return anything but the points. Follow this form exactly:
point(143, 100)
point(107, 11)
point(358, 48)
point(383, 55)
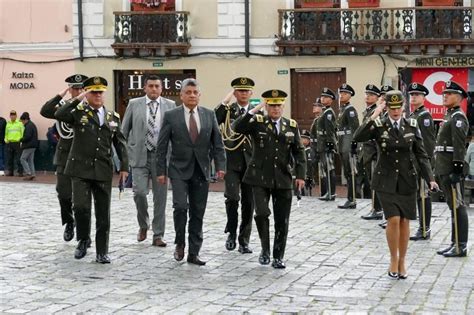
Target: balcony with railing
point(416, 30)
point(143, 33)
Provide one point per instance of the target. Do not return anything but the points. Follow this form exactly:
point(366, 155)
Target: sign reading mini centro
point(22, 81)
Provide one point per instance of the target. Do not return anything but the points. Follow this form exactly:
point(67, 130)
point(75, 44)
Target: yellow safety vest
point(14, 131)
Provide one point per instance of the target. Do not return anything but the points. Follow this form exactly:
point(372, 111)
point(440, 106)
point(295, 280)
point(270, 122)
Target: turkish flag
point(434, 79)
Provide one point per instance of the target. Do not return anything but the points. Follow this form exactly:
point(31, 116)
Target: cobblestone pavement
point(336, 263)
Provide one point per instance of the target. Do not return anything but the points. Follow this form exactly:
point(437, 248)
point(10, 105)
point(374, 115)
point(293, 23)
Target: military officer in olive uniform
point(326, 143)
point(309, 180)
point(347, 123)
point(368, 154)
point(313, 131)
point(426, 125)
point(449, 166)
point(276, 143)
point(63, 181)
point(238, 151)
point(90, 165)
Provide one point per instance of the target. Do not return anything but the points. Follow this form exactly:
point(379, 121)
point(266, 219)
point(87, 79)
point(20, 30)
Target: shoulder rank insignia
point(293, 123)
point(80, 107)
point(259, 118)
point(413, 122)
point(378, 122)
point(117, 115)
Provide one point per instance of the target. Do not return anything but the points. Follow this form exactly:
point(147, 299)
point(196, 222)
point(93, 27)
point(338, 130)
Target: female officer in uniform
point(395, 182)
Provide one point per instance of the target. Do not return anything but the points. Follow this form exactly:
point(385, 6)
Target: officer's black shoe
point(245, 249)
point(419, 235)
point(383, 224)
point(373, 215)
point(327, 197)
point(69, 232)
point(460, 252)
point(102, 259)
point(277, 263)
point(444, 250)
point(264, 258)
point(230, 243)
point(348, 205)
point(81, 249)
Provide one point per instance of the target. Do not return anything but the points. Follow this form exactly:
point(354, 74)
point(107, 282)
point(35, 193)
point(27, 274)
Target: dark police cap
point(417, 88)
point(453, 87)
point(305, 134)
point(372, 89)
point(394, 99)
point(76, 80)
point(328, 92)
point(318, 102)
point(95, 84)
point(347, 88)
point(274, 97)
point(386, 88)
point(242, 83)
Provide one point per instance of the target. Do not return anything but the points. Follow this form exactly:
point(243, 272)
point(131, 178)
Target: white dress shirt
point(196, 117)
point(398, 122)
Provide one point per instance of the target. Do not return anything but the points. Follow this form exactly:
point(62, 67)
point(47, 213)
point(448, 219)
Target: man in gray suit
point(141, 127)
point(195, 139)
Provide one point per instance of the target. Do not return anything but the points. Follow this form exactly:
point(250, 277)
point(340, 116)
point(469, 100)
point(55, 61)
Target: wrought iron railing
point(352, 25)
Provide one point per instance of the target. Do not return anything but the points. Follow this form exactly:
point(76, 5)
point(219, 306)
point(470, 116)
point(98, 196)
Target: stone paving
point(336, 263)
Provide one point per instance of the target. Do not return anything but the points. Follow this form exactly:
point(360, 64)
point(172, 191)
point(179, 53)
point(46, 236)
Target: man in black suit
point(195, 139)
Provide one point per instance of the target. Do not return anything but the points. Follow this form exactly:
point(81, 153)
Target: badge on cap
point(243, 80)
point(78, 78)
point(344, 85)
point(325, 90)
point(394, 98)
point(448, 84)
point(371, 86)
point(96, 80)
point(274, 93)
point(414, 85)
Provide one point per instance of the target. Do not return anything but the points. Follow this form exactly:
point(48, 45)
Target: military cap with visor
point(305, 134)
point(76, 80)
point(274, 97)
point(453, 87)
point(385, 89)
point(318, 102)
point(242, 83)
point(95, 84)
point(417, 88)
point(394, 99)
point(347, 88)
point(328, 92)
point(372, 89)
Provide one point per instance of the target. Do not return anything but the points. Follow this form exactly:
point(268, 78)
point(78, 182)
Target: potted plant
point(364, 3)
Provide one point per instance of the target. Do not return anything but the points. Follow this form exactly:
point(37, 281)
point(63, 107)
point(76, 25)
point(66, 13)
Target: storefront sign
point(22, 85)
point(459, 61)
point(434, 80)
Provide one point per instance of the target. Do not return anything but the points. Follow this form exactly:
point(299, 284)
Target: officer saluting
point(63, 181)
point(449, 162)
point(238, 151)
point(275, 142)
point(347, 123)
point(425, 123)
point(326, 143)
point(90, 163)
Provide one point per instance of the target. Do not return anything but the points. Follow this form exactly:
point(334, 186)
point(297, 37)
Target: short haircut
point(152, 77)
point(189, 82)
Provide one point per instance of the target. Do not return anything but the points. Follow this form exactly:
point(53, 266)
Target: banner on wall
point(433, 79)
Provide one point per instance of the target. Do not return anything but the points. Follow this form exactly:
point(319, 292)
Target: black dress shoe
point(179, 252)
point(277, 263)
point(102, 259)
point(193, 259)
point(453, 252)
point(393, 275)
point(373, 215)
point(383, 224)
point(264, 258)
point(419, 235)
point(444, 250)
point(81, 249)
point(348, 205)
point(230, 243)
point(69, 232)
point(245, 249)
point(327, 197)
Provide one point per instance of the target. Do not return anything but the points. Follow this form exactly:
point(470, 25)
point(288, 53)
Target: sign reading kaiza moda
point(22, 85)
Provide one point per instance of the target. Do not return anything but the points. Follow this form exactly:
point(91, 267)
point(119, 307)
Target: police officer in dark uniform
point(347, 123)
point(368, 154)
point(326, 143)
point(90, 165)
point(449, 166)
point(238, 151)
point(309, 180)
point(276, 143)
point(63, 181)
point(426, 125)
point(317, 111)
point(394, 178)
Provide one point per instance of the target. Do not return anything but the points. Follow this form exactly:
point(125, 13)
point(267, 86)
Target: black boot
point(419, 235)
point(264, 234)
point(373, 215)
point(348, 205)
point(68, 234)
point(459, 251)
point(445, 250)
point(327, 197)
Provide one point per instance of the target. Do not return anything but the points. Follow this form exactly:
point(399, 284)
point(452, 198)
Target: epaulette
point(259, 117)
point(117, 115)
point(458, 113)
point(80, 107)
point(293, 123)
point(378, 122)
point(413, 122)
point(423, 113)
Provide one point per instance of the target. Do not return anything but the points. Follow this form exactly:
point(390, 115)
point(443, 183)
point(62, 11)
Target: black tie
point(242, 111)
point(275, 129)
point(395, 126)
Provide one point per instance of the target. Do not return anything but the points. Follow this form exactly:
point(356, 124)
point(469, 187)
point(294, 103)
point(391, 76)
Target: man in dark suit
point(238, 151)
point(195, 139)
point(141, 127)
point(90, 163)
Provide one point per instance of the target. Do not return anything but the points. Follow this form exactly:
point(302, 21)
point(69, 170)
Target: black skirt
point(393, 205)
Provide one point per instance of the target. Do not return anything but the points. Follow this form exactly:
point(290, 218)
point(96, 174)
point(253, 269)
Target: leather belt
point(343, 132)
point(441, 148)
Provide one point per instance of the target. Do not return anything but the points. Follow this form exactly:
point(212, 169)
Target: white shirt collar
point(393, 121)
point(246, 107)
point(187, 110)
point(148, 100)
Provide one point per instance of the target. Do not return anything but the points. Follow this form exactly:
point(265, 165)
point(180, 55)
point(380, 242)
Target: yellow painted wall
point(202, 18)
point(264, 17)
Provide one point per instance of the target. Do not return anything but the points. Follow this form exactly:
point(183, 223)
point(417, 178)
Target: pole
point(455, 216)
point(423, 207)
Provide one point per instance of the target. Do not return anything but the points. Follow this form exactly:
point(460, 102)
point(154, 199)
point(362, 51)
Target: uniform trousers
point(83, 190)
point(346, 163)
point(281, 200)
point(64, 190)
point(141, 179)
point(462, 218)
point(234, 184)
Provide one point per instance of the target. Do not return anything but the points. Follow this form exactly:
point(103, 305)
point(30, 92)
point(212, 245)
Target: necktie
point(150, 134)
point(193, 130)
point(242, 111)
point(275, 129)
point(395, 126)
point(96, 113)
